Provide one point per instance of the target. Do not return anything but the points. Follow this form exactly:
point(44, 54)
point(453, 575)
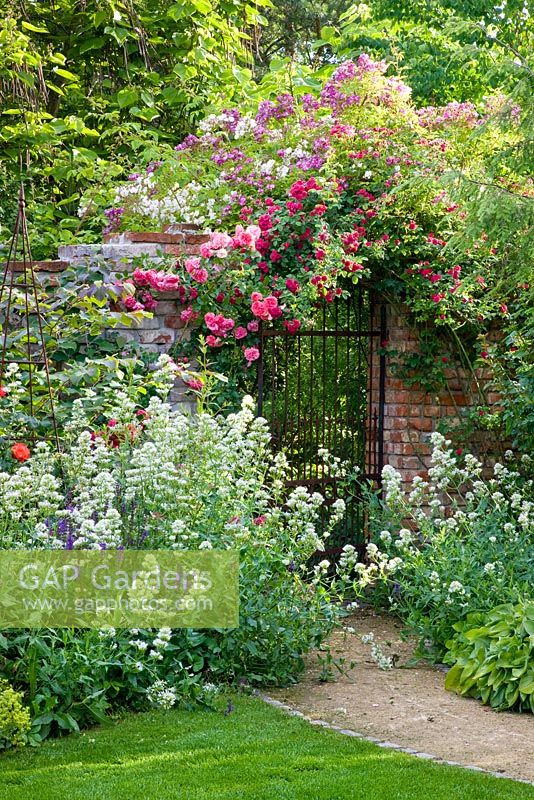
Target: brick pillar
point(411, 413)
point(165, 329)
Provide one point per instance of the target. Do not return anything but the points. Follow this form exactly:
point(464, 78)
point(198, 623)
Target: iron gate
point(324, 388)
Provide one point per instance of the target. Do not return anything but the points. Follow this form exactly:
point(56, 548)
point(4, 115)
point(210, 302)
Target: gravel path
point(409, 706)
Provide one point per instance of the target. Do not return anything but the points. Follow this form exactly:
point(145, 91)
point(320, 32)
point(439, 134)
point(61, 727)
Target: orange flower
point(20, 452)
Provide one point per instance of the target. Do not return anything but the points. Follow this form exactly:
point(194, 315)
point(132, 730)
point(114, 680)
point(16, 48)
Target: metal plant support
point(21, 329)
point(323, 389)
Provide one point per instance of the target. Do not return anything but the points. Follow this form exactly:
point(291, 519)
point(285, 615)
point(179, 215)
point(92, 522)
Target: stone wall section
point(160, 333)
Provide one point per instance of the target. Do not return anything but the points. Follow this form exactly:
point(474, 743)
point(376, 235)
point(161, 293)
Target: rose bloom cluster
point(306, 197)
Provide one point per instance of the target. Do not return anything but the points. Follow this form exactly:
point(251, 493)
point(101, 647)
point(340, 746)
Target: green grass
point(254, 753)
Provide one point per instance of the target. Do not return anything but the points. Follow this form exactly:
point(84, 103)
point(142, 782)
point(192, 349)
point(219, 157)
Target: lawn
point(255, 752)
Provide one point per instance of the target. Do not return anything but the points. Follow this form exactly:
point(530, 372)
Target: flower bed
point(156, 479)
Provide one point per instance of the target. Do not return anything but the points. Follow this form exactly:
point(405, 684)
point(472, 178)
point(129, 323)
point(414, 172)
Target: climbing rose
point(240, 332)
point(292, 326)
point(220, 241)
point(219, 324)
point(194, 383)
point(292, 285)
point(131, 304)
point(251, 354)
point(188, 315)
point(265, 309)
point(20, 452)
point(246, 238)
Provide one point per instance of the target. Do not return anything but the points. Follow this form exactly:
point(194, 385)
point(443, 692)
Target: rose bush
point(310, 195)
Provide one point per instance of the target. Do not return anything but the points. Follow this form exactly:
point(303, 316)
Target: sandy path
point(410, 706)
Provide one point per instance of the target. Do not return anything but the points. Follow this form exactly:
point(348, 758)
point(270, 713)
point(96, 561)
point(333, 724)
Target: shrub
point(451, 545)
point(493, 657)
point(14, 718)
point(309, 196)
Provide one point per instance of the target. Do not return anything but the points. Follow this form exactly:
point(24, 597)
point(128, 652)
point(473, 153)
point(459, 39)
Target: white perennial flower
point(162, 695)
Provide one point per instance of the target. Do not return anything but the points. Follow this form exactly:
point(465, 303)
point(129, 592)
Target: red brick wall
point(411, 412)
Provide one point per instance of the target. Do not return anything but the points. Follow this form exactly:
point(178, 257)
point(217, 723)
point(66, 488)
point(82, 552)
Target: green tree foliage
point(294, 29)
point(87, 87)
point(441, 47)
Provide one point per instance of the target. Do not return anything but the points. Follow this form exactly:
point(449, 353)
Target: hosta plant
point(492, 654)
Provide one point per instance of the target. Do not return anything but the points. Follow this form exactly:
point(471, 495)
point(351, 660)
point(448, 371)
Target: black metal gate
point(323, 388)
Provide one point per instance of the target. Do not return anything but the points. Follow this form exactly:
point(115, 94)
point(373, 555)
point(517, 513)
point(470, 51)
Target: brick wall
point(165, 328)
point(411, 413)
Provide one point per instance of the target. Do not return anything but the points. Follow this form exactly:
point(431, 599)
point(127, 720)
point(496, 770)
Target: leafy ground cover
point(254, 752)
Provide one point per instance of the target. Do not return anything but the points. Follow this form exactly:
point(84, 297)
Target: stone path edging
point(293, 712)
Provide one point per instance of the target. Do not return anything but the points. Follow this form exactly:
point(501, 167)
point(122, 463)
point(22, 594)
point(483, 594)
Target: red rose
point(292, 285)
point(3, 392)
point(20, 452)
point(292, 326)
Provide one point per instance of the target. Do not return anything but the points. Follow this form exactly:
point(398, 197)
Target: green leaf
point(30, 27)
point(94, 43)
point(64, 73)
point(526, 684)
point(127, 97)
point(204, 6)
point(329, 34)
point(144, 113)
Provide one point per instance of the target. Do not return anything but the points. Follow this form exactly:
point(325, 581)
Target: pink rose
point(219, 241)
point(213, 341)
point(240, 332)
point(131, 304)
point(205, 250)
point(211, 320)
point(218, 324)
point(246, 238)
point(192, 264)
point(140, 277)
point(188, 314)
point(253, 326)
point(194, 383)
point(292, 326)
point(251, 354)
